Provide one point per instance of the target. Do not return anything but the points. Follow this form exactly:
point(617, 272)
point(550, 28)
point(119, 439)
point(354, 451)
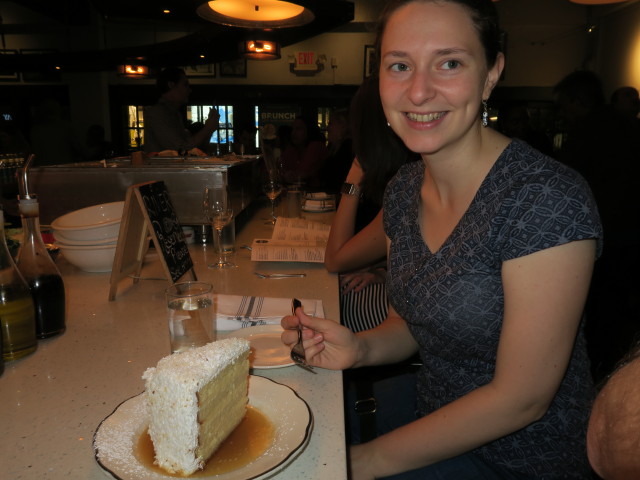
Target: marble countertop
point(53, 400)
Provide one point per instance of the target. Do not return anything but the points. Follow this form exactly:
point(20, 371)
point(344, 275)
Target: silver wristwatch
point(351, 189)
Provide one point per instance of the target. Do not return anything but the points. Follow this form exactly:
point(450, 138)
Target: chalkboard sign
point(149, 215)
point(166, 227)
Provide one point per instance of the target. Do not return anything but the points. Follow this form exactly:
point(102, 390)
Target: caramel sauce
point(247, 442)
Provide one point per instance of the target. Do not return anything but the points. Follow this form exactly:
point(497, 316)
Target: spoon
point(280, 275)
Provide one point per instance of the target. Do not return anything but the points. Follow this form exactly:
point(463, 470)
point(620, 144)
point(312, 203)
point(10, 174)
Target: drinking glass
point(272, 187)
point(219, 212)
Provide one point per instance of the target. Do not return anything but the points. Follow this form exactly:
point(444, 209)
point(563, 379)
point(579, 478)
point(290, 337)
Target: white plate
point(318, 210)
point(318, 196)
point(267, 350)
point(117, 435)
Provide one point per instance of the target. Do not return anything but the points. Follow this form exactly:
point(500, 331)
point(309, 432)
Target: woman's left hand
point(358, 280)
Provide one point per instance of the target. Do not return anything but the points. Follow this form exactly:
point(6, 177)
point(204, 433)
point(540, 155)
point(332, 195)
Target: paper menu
point(297, 229)
point(293, 240)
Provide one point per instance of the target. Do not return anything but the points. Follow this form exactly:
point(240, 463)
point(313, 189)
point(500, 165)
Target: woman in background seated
point(356, 247)
point(305, 154)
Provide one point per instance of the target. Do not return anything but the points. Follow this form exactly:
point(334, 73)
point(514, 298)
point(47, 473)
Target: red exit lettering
point(306, 58)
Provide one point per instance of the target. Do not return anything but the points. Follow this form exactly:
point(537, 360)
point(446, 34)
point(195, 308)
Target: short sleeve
point(554, 207)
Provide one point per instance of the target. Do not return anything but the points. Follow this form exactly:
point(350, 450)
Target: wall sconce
point(256, 13)
point(306, 64)
point(260, 49)
point(133, 71)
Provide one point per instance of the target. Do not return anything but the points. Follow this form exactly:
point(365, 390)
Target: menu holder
point(148, 215)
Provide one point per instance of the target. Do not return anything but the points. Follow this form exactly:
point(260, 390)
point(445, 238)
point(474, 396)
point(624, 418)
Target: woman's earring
point(485, 114)
point(388, 124)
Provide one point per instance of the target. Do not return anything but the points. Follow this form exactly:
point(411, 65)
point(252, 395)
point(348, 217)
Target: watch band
point(351, 189)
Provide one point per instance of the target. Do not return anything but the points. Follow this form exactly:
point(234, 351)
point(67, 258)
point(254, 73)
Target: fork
point(280, 275)
point(297, 352)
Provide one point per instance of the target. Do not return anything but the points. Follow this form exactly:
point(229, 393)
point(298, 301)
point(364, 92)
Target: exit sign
point(306, 60)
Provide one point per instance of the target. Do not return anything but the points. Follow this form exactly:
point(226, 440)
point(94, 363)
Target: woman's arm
point(544, 297)
point(345, 249)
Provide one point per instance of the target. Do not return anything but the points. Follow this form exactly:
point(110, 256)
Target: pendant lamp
point(255, 13)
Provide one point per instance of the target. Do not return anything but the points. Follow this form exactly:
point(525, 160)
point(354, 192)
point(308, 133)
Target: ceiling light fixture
point(260, 49)
point(255, 13)
point(597, 2)
point(133, 71)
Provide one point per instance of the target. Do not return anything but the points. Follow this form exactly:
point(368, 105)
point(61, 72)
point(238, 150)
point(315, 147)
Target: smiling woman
point(488, 269)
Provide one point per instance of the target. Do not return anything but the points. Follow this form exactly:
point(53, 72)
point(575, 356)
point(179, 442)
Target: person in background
point(340, 152)
point(483, 282)
point(245, 140)
point(356, 245)
point(164, 123)
point(305, 154)
point(613, 436)
point(626, 102)
point(604, 147)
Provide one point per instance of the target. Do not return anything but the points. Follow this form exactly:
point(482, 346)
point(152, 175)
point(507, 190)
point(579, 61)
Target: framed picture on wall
point(8, 75)
point(45, 73)
point(201, 71)
point(369, 60)
point(234, 68)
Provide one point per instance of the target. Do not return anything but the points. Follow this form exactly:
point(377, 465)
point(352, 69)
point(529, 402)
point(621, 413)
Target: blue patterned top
point(453, 301)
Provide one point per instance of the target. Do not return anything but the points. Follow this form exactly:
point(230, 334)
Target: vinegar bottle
point(40, 272)
point(17, 314)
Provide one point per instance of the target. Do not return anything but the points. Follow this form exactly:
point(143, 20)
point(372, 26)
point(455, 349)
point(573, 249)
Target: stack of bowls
point(88, 237)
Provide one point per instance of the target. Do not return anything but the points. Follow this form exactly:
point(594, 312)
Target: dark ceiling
point(216, 42)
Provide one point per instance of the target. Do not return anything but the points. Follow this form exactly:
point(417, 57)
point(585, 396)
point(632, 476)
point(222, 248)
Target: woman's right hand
point(327, 344)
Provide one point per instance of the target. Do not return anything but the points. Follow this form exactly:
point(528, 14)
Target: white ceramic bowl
point(61, 238)
point(90, 258)
point(98, 222)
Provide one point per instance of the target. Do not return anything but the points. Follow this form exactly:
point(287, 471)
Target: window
point(199, 113)
point(135, 126)
point(195, 113)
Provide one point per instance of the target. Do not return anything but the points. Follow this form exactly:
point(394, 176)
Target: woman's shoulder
point(522, 166)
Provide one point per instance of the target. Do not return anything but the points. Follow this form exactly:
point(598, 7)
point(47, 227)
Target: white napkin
point(319, 205)
point(237, 311)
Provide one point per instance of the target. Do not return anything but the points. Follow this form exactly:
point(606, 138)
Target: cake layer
point(195, 399)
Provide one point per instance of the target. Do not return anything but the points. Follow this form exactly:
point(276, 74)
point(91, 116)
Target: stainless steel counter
point(63, 188)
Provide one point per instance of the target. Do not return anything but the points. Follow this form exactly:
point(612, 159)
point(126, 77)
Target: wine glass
point(219, 212)
point(272, 187)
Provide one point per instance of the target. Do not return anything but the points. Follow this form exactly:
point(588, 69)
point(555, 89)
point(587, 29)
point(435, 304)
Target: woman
point(356, 245)
point(305, 154)
point(491, 248)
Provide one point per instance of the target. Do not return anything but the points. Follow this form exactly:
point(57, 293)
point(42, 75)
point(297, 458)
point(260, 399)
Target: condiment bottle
point(17, 313)
point(40, 272)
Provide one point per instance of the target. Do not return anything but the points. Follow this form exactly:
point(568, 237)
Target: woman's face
point(434, 75)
